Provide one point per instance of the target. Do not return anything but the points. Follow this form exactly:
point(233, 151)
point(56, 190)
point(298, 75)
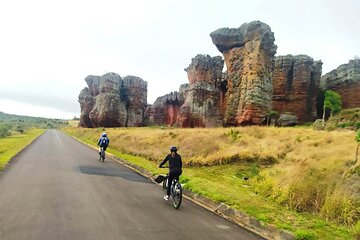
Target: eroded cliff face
point(345, 80)
point(249, 53)
point(134, 93)
point(296, 81)
point(110, 101)
point(165, 110)
point(202, 104)
point(196, 104)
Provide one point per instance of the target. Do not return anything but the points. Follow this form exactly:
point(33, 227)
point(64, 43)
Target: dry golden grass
point(301, 168)
point(292, 148)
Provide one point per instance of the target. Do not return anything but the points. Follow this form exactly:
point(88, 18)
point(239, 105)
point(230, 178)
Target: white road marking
point(57, 136)
point(223, 227)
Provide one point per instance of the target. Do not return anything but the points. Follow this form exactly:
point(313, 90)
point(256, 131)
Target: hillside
point(21, 123)
point(299, 179)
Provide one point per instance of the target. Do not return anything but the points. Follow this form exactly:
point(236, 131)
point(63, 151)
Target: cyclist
point(175, 168)
point(103, 142)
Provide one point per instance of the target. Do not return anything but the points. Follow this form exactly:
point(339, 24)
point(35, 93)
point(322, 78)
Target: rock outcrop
point(202, 105)
point(110, 101)
point(87, 102)
point(345, 80)
point(134, 93)
point(287, 120)
point(249, 53)
point(165, 110)
point(296, 81)
point(196, 104)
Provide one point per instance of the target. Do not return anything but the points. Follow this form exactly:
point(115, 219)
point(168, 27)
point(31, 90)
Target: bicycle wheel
point(165, 186)
point(102, 155)
point(177, 195)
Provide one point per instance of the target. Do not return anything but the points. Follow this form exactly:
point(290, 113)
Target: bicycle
point(175, 189)
point(102, 154)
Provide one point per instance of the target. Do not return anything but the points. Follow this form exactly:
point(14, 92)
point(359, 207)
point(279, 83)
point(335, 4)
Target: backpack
point(103, 141)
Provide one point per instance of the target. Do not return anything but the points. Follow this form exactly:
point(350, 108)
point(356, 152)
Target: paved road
point(57, 189)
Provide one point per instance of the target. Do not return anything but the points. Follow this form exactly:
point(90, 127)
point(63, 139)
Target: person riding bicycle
point(175, 168)
point(103, 142)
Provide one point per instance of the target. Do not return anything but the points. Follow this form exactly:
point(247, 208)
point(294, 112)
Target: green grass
point(225, 183)
point(348, 118)
point(10, 146)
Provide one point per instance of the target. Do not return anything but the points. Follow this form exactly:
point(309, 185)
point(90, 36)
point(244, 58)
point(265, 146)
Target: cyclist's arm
point(180, 162)
point(164, 161)
point(99, 142)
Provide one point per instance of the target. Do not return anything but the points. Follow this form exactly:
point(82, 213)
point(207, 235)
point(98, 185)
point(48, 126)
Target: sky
point(48, 47)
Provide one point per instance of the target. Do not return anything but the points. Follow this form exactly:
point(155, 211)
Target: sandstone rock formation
point(249, 52)
point(345, 80)
point(197, 104)
point(110, 101)
point(202, 104)
point(133, 92)
point(165, 110)
point(296, 82)
point(86, 101)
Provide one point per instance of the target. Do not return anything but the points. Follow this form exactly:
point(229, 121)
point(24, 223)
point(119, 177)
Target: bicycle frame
point(175, 191)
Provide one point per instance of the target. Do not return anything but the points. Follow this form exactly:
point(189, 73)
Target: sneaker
point(166, 197)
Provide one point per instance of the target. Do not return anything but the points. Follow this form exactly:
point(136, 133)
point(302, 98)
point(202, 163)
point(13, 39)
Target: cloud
point(26, 109)
point(61, 103)
point(48, 47)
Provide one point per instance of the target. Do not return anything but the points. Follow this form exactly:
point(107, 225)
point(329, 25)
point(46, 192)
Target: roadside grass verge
point(298, 178)
point(11, 145)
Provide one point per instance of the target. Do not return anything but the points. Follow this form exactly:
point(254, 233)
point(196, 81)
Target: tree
point(269, 116)
point(5, 130)
point(20, 128)
point(332, 102)
point(357, 139)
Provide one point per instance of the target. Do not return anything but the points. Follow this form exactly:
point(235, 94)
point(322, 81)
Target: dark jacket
point(175, 163)
point(101, 144)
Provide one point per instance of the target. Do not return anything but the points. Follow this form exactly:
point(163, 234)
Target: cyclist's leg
point(170, 178)
point(177, 174)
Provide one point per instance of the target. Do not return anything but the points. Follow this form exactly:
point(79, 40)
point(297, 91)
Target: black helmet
point(173, 149)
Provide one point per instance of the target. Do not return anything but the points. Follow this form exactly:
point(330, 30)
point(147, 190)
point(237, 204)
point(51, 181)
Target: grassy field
point(10, 146)
point(299, 179)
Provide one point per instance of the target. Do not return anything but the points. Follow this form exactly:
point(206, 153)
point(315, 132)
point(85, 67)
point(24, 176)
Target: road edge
point(241, 219)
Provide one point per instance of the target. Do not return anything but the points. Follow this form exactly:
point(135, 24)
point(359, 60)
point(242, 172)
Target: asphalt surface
point(57, 189)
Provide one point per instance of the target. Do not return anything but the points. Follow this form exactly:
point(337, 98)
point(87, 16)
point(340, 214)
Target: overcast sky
point(47, 48)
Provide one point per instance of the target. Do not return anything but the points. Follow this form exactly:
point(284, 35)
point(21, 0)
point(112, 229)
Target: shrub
point(263, 184)
point(306, 196)
point(5, 130)
point(20, 128)
point(233, 134)
point(340, 208)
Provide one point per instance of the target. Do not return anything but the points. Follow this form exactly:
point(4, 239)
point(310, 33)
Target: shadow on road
point(111, 172)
